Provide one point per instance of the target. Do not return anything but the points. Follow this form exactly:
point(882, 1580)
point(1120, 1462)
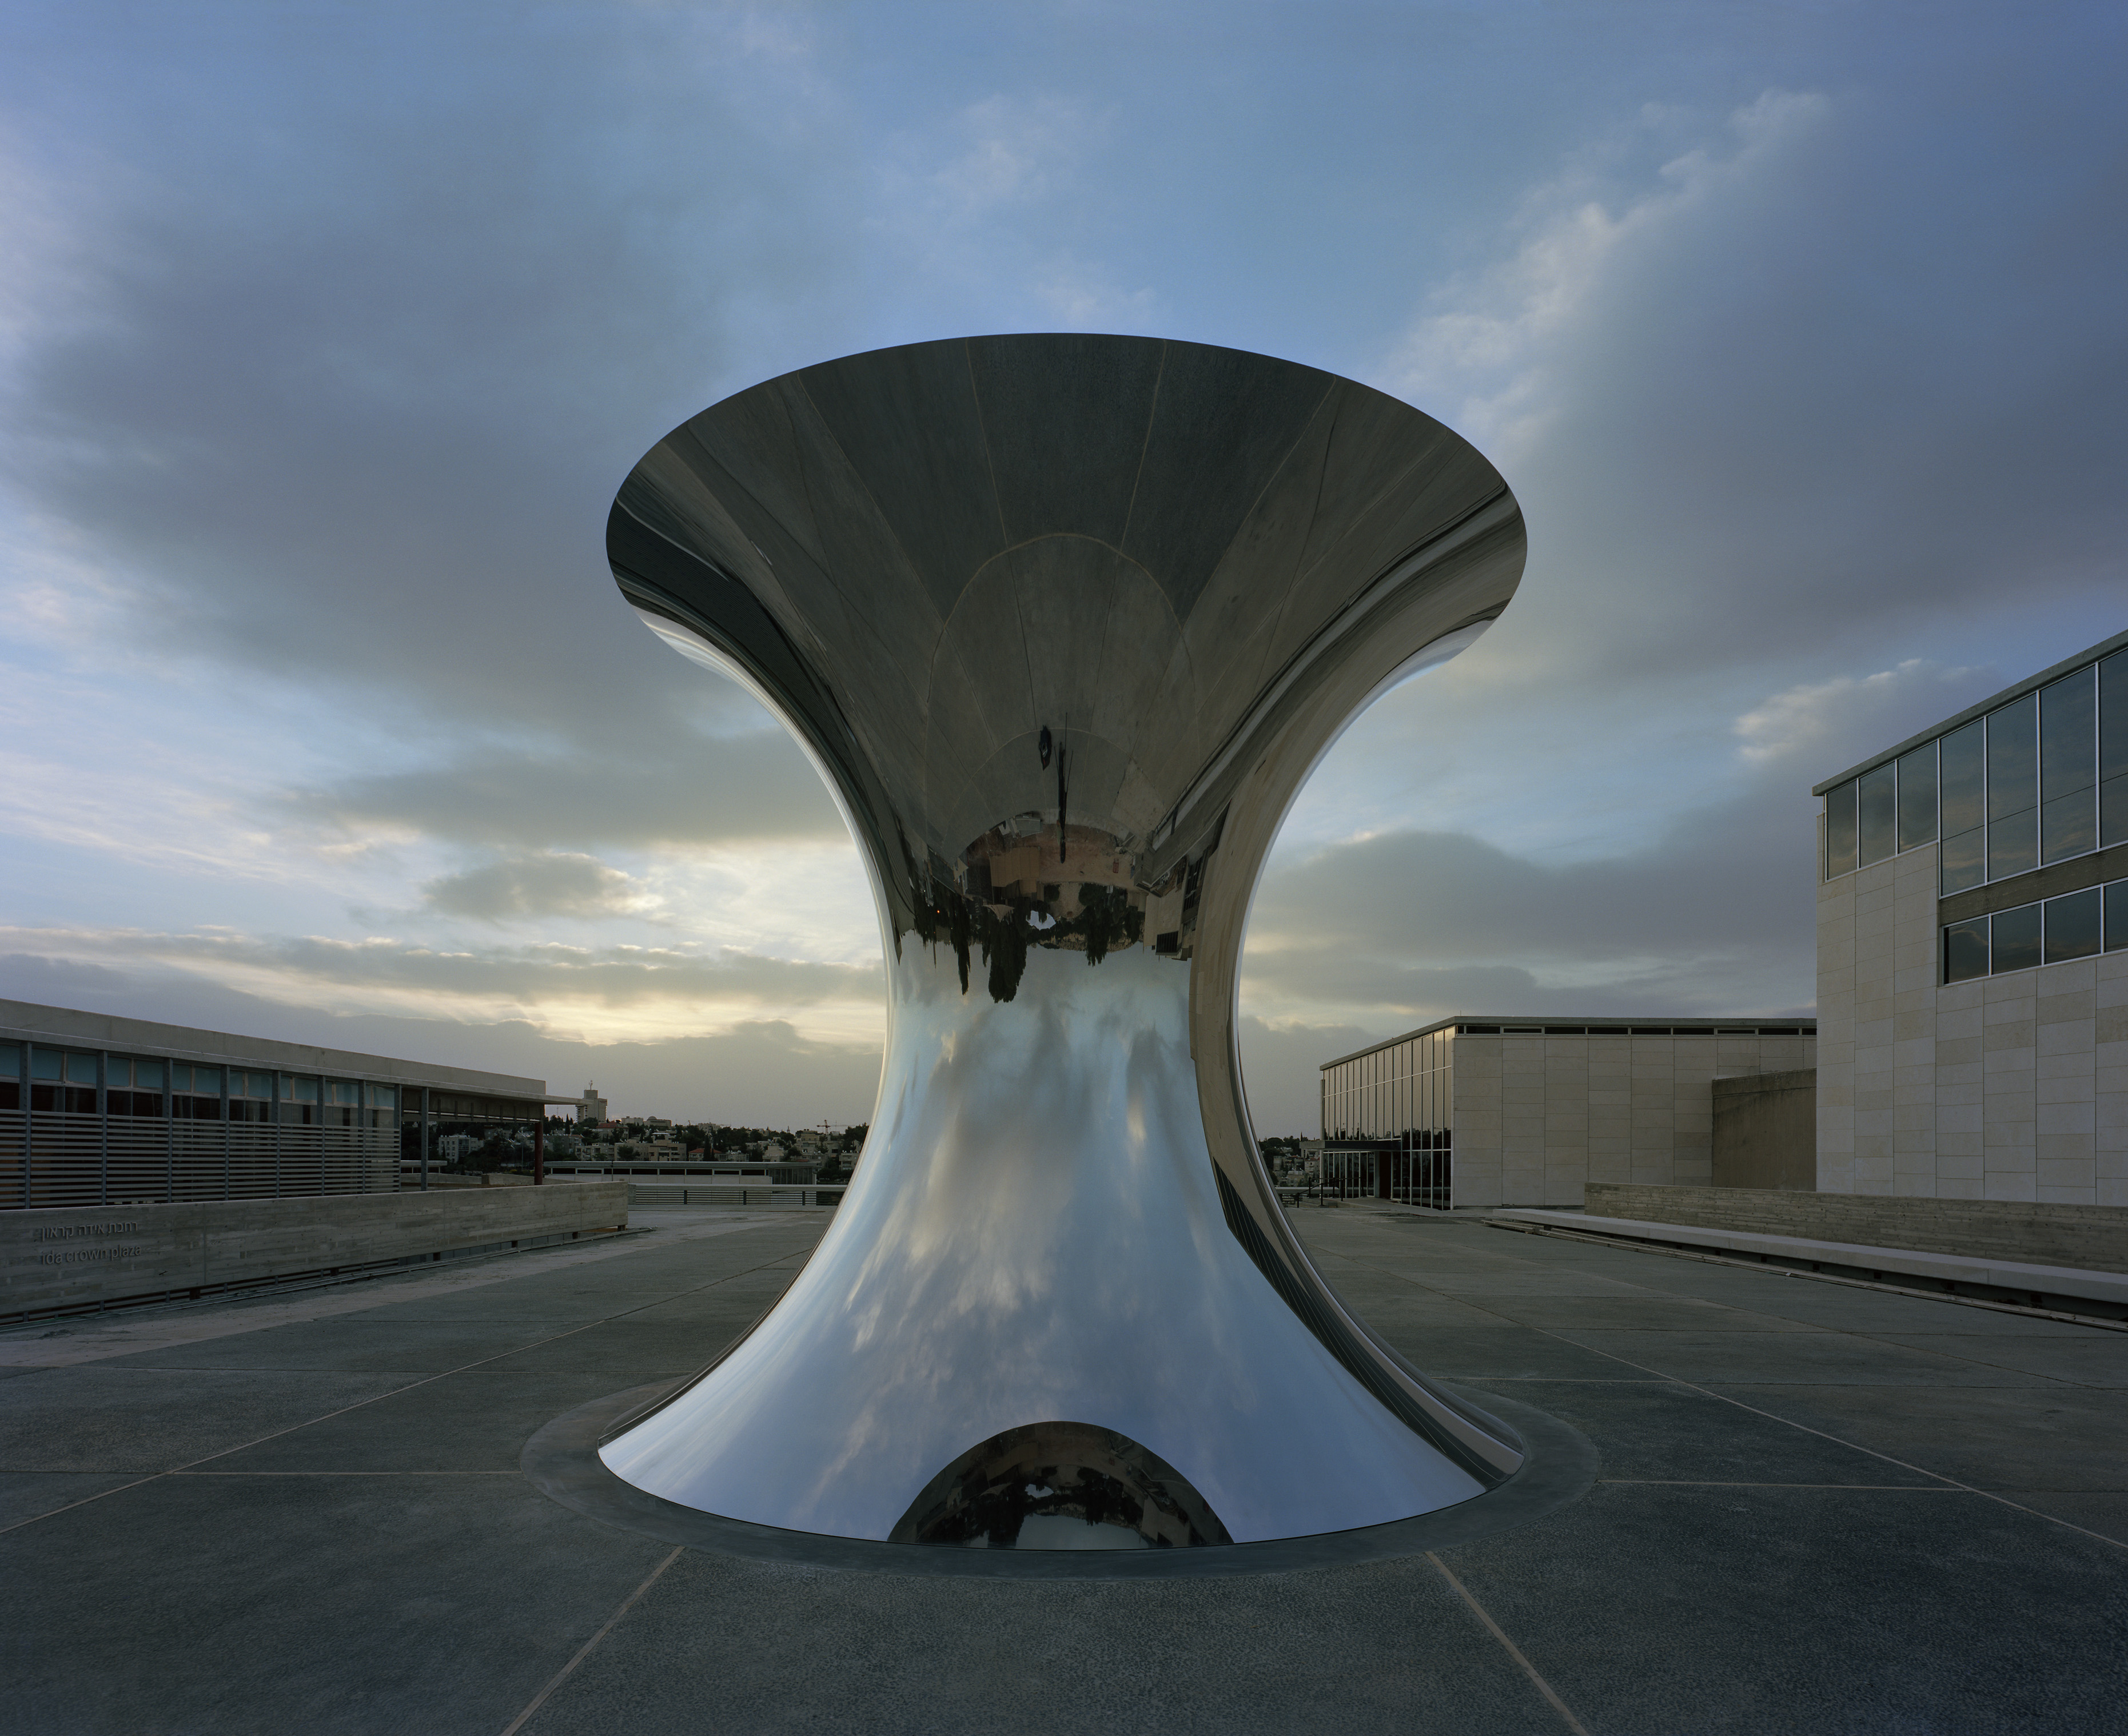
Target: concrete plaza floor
point(1820, 1508)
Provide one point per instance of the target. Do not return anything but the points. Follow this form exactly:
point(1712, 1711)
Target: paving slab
point(361, 1554)
point(1866, 1612)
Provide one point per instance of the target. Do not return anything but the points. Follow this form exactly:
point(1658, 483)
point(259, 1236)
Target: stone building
point(1487, 1110)
point(1973, 950)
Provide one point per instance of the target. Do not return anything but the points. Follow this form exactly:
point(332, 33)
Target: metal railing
point(766, 1195)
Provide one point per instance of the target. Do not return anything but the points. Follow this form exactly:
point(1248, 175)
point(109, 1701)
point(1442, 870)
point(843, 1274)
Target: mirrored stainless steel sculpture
point(1064, 622)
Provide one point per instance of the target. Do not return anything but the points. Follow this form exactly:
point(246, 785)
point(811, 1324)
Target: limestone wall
point(2036, 1232)
point(1765, 1130)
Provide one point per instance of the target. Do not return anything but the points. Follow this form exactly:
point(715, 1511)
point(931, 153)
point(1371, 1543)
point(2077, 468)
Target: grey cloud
point(547, 883)
point(615, 977)
point(685, 789)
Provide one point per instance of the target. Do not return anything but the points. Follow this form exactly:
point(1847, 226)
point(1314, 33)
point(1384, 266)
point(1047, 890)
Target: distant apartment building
point(1493, 1109)
point(1973, 950)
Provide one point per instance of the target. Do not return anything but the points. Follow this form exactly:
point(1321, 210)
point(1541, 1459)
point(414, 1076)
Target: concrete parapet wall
point(79, 1256)
point(2091, 1237)
point(1765, 1130)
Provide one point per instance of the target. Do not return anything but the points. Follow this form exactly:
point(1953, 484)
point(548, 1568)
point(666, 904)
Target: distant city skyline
point(325, 339)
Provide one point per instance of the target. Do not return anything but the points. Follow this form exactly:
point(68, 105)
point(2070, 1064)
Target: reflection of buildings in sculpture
point(1973, 950)
point(1491, 1110)
point(1063, 622)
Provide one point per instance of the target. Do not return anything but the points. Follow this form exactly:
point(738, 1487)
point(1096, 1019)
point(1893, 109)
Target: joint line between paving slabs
point(590, 1645)
point(208, 1458)
point(1493, 1628)
point(1624, 1362)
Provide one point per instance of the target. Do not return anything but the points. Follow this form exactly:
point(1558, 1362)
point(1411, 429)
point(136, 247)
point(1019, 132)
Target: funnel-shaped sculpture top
point(1064, 622)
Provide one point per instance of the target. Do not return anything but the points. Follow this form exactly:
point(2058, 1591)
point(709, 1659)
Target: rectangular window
point(1965, 950)
point(148, 1075)
point(2113, 749)
point(2013, 788)
point(45, 1064)
point(2116, 916)
point(1962, 775)
point(299, 1091)
point(2072, 925)
point(2069, 766)
point(10, 1061)
point(1962, 863)
point(1879, 801)
point(2013, 770)
point(1964, 778)
point(345, 1091)
point(2013, 939)
point(1840, 830)
point(1917, 798)
point(81, 1069)
point(2069, 735)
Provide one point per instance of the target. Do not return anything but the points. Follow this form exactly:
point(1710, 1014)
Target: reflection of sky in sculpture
point(1064, 622)
point(1034, 1230)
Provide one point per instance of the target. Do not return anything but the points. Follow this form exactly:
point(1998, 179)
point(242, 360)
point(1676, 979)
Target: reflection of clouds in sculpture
point(1064, 622)
point(982, 1275)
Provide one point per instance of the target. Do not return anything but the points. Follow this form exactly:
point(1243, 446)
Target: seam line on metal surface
point(1507, 1645)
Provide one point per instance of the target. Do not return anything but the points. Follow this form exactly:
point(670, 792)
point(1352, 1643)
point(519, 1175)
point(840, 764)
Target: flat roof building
point(95, 1109)
point(1493, 1109)
point(1973, 950)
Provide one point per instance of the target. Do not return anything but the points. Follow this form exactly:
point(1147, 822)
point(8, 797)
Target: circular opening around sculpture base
point(562, 1461)
point(1060, 1485)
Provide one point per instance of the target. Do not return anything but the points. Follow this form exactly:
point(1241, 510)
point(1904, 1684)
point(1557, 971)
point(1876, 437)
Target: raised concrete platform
point(101, 1256)
point(2028, 1232)
point(2044, 1285)
point(1819, 1509)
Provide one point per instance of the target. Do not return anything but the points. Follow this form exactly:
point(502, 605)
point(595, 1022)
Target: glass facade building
point(2035, 779)
point(1973, 950)
point(98, 1111)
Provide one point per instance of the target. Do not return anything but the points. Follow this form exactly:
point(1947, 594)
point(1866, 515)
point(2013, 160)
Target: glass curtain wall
point(2040, 780)
point(1386, 1122)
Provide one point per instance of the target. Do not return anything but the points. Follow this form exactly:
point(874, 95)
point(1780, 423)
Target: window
point(2040, 780)
point(1965, 950)
point(133, 1088)
point(1840, 830)
point(2113, 749)
point(2072, 925)
point(1879, 803)
point(1963, 775)
point(1917, 798)
point(2053, 931)
point(2069, 766)
point(2013, 788)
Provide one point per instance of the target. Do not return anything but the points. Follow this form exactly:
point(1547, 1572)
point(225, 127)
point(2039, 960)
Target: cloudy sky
point(328, 332)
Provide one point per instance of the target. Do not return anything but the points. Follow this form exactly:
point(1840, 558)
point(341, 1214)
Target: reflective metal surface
point(1064, 623)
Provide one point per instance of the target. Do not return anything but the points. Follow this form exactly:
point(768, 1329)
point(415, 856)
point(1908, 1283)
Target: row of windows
point(2053, 931)
point(2039, 780)
point(133, 1082)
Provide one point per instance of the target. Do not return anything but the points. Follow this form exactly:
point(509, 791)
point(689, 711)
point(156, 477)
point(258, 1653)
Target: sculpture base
point(562, 1461)
point(1035, 1235)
